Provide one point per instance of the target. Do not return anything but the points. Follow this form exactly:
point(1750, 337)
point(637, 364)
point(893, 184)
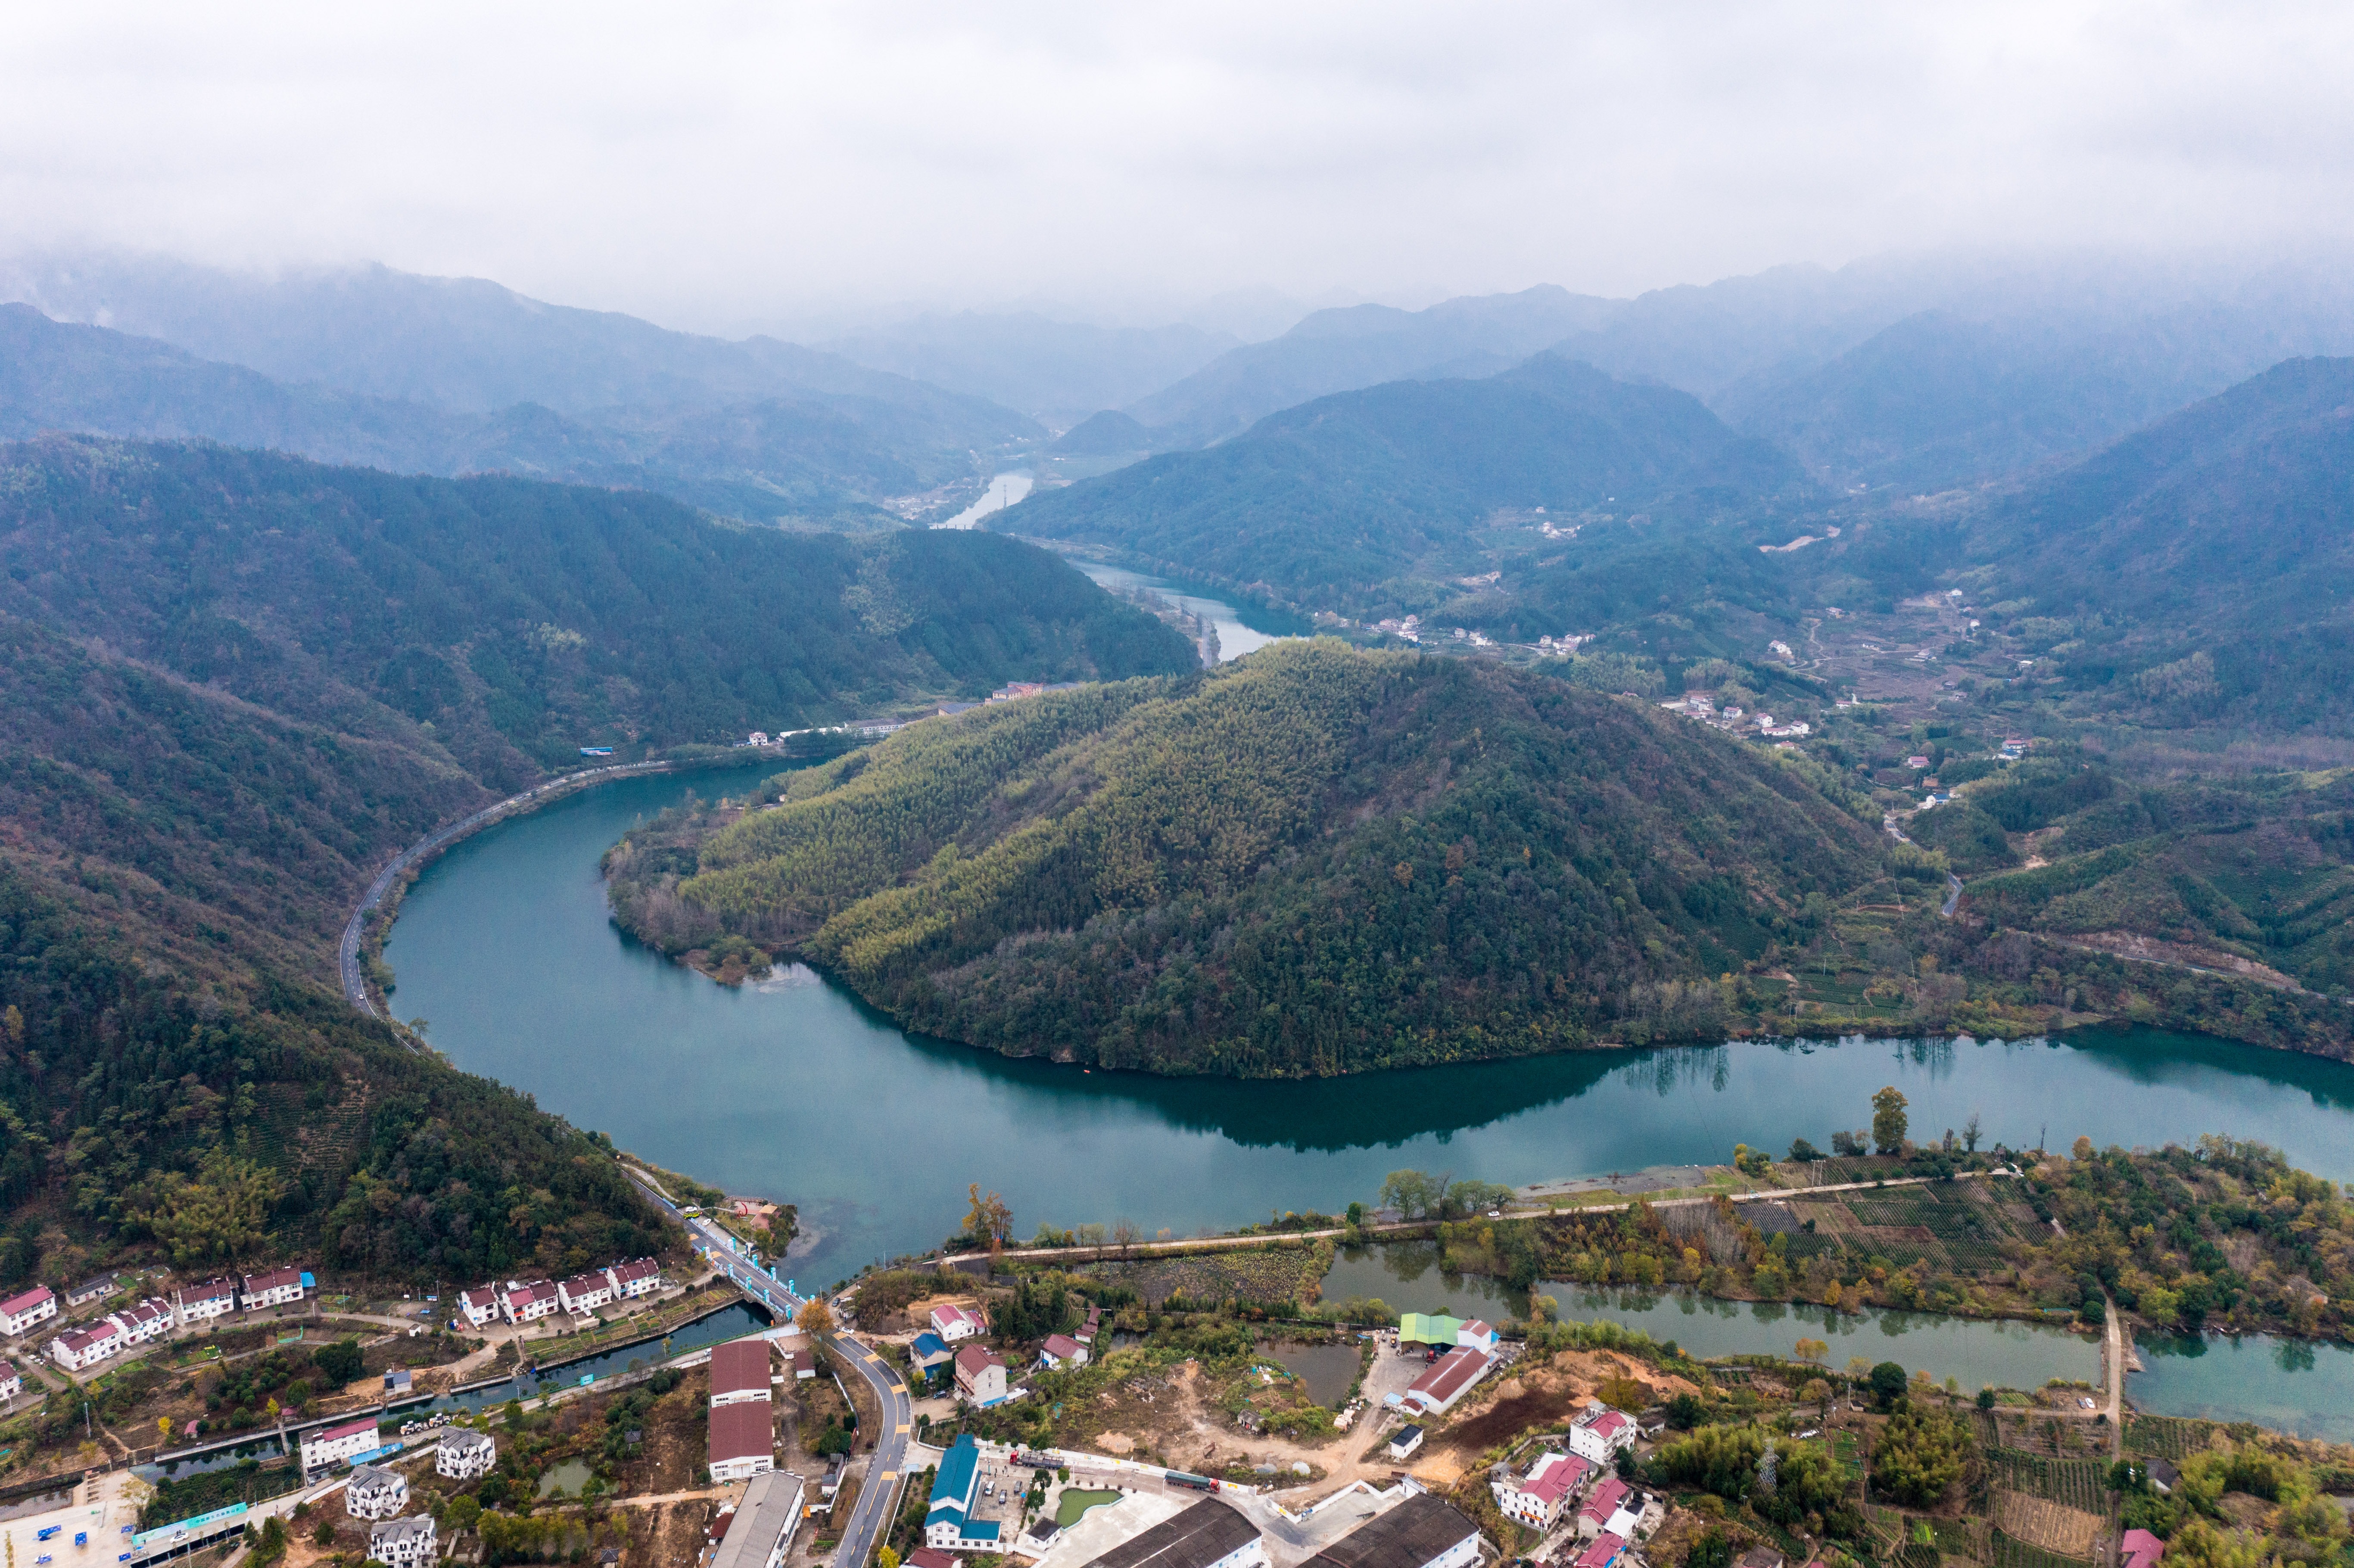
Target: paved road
point(347, 952)
point(870, 1517)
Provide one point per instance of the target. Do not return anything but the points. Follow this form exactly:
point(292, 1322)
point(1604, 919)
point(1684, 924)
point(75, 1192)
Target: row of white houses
point(119, 1331)
point(522, 1301)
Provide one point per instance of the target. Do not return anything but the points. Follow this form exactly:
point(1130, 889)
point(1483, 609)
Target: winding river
point(794, 1089)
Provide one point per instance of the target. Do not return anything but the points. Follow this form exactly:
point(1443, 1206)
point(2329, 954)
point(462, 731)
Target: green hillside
point(1315, 862)
point(1364, 501)
point(236, 683)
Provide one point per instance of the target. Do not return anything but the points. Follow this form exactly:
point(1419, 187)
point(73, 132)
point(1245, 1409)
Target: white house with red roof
point(278, 1288)
point(202, 1303)
point(1537, 1499)
point(82, 1348)
point(1062, 1350)
point(1086, 1332)
point(343, 1440)
point(1480, 1336)
point(2139, 1549)
point(953, 1323)
point(740, 1370)
point(1601, 1505)
point(640, 1277)
point(981, 1375)
point(12, 1381)
point(480, 1304)
point(143, 1321)
point(585, 1293)
point(523, 1302)
point(1449, 1380)
point(1602, 1434)
point(26, 1308)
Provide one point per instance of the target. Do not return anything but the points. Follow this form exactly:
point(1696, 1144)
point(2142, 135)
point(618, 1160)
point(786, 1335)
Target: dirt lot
point(1503, 1408)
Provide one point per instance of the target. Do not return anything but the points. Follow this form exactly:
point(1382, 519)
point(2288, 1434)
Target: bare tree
point(1124, 1232)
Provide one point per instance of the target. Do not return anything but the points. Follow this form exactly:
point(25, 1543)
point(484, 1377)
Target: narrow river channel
point(797, 1090)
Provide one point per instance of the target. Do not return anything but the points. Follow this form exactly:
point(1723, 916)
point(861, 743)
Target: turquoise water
point(2290, 1385)
point(1236, 636)
point(2011, 1355)
point(798, 1092)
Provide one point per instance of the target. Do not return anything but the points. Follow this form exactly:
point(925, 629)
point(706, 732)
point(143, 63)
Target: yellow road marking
point(903, 1426)
point(890, 1475)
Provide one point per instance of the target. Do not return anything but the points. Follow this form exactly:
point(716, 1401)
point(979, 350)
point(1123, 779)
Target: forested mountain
point(237, 682)
point(1316, 861)
point(1053, 370)
point(807, 460)
point(1328, 504)
point(2201, 565)
point(1362, 345)
point(1941, 399)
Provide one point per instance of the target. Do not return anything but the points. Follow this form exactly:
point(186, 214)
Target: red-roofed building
point(2139, 1549)
point(1060, 1351)
point(202, 1303)
point(143, 1321)
point(480, 1304)
point(1603, 1552)
point(1479, 1335)
point(278, 1288)
point(333, 1445)
point(12, 1381)
point(631, 1280)
point(739, 1371)
point(953, 1323)
point(1537, 1499)
point(21, 1311)
point(86, 1346)
point(981, 1375)
point(743, 1444)
point(1447, 1380)
point(585, 1293)
point(523, 1302)
point(1602, 1434)
point(1600, 1504)
point(931, 1557)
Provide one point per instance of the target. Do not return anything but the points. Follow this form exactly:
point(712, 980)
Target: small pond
point(1327, 1370)
point(569, 1476)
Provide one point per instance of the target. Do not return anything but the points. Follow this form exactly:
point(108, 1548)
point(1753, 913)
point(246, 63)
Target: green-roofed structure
point(1434, 1329)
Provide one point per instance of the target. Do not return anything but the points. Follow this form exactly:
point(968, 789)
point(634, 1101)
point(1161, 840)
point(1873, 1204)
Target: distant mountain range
point(1054, 371)
point(816, 457)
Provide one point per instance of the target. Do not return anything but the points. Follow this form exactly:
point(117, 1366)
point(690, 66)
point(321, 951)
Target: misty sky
point(731, 165)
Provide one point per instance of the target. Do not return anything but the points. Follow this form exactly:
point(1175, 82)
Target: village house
point(929, 1351)
point(953, 1323)
point(12, 1381)
point(926, 1557)
point(739, 1371)
point(640, 1277)
point(1449, 1380)
point(1604, 1550)
point(1477, 1335)
point(743, 1441)
point(1210, 1534)
point(399, 1542)
point(94, 1289)
point(278, 1288)
point(1403, 1445)
point(343, 1441)
point(803, 1362)
point(2139, 1549)
point(462, 1455)
point(143, 1321)
point(202, 1303)
point(1601, 1433)
point(376, 1492)
point(1537, 1499)
point(949, 1524)
point(81, 1347)
point(478, 1305)
point(1060, 1351)
point(1086, 1334)
point(1601, 1506)
point(981, 1376)
point(21, 1311)
point(585, 1293)
point(1420, 1532)
point(525, 1303)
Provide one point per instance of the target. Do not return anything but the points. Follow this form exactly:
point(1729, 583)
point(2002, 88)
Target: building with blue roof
point(949, 1524)
point(930, 1351)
